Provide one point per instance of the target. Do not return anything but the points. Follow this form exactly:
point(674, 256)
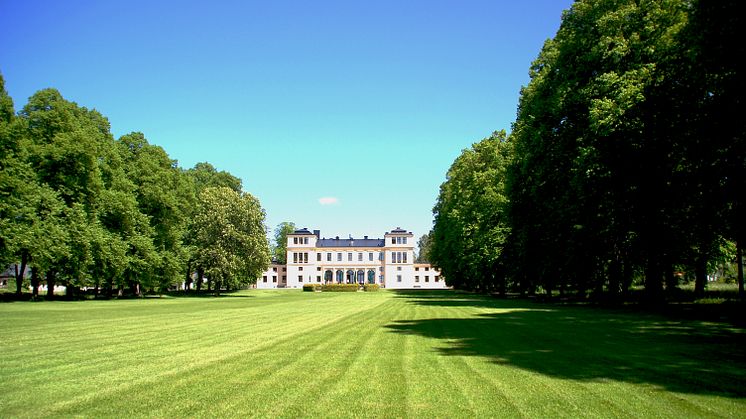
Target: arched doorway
point(350, 276)
point(371, 276)
point(328, 276)
point(361, 277)
point(340, 276)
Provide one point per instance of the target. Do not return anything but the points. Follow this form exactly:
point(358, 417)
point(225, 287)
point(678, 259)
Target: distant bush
point(311, 287)
point(371, 287)
point(340, 287)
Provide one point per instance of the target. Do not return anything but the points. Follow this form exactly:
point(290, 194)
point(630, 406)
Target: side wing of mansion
point(388, 262)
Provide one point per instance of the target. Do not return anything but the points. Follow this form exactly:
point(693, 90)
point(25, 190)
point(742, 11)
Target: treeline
point(626, 164)
point(81, 209)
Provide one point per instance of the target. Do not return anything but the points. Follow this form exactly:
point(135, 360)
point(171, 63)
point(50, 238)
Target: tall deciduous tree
point(280, 248)
point(470, 225)
point(231, 237)
point(423, 246)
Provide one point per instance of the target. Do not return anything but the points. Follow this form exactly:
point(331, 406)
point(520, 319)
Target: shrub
point(340, 287)
point(371, 287)
point(311, 287)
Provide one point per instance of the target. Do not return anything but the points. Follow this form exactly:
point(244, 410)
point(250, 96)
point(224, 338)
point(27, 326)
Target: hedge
point(371, 287)
point(340, 287)
point(311, 287)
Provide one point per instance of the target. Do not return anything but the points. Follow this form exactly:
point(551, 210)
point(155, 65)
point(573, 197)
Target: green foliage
point(230, 237)
point(423, 245)
point(81, 208)
point(280, 248)
point(471, 225)
point(617, 170)
point(371, 287)
point(340, 287)
point(312, 287)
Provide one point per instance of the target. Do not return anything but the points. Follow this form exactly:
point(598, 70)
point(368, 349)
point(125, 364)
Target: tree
point(423, 246)
point(230, 237)
point(470, 225)
point(280, 248)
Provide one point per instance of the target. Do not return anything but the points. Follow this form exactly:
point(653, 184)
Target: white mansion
point(388, 262)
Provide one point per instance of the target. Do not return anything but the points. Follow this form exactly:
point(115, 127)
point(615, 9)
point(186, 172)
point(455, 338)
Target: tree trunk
point(25, 258)
point(69, 292)
point(615, 279)
point(739, 263)
point(51, 282)
point(217, 288)
point(200, 275)
point(188, 278)
point(653, 281)
point(700, 279)
point(34, 281)
point(672, 281)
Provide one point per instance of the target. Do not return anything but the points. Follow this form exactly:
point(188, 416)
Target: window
point(305, 257)
point(318, 257)
point(416, 278)
point(393, 240)
point(380, 256)
point(295, 257)
point(370, 256)
point(300, 268)
point(398, 257)
point(398, 278)
point(359, 257)
point(380, 269)
point(398, 268)
point(284, 269)
point(264, 278)
point(295, 240)
point(393, 257)
point(339, 257)
point(284, 278)
point(349, 257)
point(398, 240)
point(404, 240)
point(437, 278)
point(274, 278)
point(318, 278)
point(416, 268)
point(318, 268)
point(305, 240)
point(274, 269)
point(300, 278)
point(427, 278)
point(427, 268)
point(404, 257)
point(328, 257)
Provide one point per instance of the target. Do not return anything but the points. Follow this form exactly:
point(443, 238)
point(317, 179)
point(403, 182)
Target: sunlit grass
point(422, 354)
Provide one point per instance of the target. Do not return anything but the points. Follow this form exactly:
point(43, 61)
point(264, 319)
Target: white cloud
point(328, 200)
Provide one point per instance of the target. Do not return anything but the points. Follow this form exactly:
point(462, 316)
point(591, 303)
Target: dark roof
point(398, 230)
point(350, 243)
point(303, 231)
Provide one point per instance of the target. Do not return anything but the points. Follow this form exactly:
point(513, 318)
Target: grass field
point(385, 354)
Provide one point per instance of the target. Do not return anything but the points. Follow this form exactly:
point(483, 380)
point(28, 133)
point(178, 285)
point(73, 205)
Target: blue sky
point(363, 103)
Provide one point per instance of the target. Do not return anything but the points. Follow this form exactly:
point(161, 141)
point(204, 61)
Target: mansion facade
point(388, 262)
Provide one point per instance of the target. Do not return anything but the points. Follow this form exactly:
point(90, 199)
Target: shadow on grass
point(205, 294)
point(589, 344)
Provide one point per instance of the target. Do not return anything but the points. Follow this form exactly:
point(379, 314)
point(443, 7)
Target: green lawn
point(385, 354)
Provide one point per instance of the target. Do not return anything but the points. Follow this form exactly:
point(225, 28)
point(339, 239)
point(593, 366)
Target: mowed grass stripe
point(136, 360)
point(231, 358)
point(386, 354)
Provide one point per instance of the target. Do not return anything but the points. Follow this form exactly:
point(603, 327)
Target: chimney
point(366, 237)
point(317, 233)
